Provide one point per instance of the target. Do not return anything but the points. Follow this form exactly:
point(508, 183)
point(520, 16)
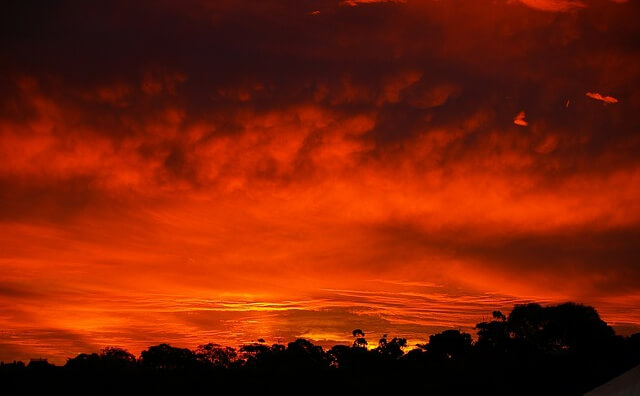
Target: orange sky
point(223, 171)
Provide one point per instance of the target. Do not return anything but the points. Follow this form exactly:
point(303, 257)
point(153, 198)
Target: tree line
point(559, 349)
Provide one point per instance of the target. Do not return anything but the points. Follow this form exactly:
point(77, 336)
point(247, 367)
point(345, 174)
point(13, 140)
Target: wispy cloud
point(602, 98)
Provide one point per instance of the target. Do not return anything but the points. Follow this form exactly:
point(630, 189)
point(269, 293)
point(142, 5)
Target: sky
point(223, 171)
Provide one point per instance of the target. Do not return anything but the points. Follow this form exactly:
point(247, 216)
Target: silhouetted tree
point(164, 356)
point(498, 315)
point(260, 355)
point(566, 327)
point(109, 358)
point(563, 349)
point(350, 358)
point(85, 361)
point(117, 358)
point(215, 355)
point(494, 336)
point(303, 354)
point(360, 341)
point(633, 346)
point(393, 349)
point(450, 344)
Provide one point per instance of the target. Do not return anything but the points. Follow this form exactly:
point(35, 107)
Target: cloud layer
point(225, 171)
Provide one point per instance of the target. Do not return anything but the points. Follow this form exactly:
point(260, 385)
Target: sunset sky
point(222, 170)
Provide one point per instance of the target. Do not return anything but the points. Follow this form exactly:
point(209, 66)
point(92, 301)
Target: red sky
point(223, 171)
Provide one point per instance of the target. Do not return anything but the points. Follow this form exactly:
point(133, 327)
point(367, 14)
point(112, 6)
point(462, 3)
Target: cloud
point(199, 168)
point(354, 3)
point(519, 119)
point(605, 99)
point(554, 5)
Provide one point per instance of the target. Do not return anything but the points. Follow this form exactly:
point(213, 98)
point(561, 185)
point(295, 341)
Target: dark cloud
point(17, 291)
point(590, 262)
point(58, 344)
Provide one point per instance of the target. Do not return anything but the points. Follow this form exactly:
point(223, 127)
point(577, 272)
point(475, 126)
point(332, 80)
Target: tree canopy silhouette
point(558, 349)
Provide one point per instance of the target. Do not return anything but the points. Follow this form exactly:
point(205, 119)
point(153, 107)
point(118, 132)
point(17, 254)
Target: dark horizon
point(496, 315)
point(563, 349)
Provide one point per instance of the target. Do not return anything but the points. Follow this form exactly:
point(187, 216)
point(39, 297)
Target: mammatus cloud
point(603, 98)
